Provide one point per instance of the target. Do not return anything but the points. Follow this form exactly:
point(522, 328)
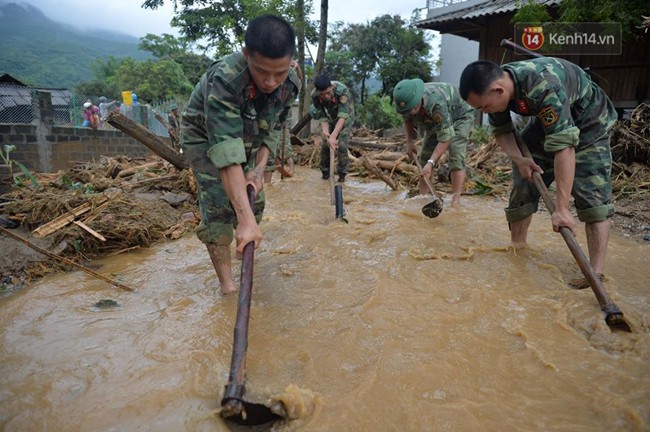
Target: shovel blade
point(616, 321)
point(433, 209)
point(247, 413)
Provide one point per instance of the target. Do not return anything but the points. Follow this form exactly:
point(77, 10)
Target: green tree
point(103, 82)
point(153, 80)
point(387, 48)
point(220, 25)
point(378, 113)
point(180, 50)
point(629, 13)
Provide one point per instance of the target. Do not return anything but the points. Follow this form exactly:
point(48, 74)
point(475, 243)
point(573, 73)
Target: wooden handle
point(518, 49)
point(426, 180)
point(234, 394)
point(332, 168)
point(596, 285)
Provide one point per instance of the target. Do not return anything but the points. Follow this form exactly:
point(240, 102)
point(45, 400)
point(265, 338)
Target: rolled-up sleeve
point(224, 126)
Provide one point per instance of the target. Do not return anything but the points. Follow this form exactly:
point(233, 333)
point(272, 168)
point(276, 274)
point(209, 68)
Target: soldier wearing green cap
point(230, 127)
point(568, 133)
point(444, 120)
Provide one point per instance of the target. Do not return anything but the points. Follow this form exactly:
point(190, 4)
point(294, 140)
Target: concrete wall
point(44, 147)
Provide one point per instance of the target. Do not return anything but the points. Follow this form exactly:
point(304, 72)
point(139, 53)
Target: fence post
point(43, 121)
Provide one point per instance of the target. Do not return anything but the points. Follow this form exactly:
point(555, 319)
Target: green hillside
point(44, 53)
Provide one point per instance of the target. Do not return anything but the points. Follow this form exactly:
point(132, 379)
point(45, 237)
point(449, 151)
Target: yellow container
point(127, 98)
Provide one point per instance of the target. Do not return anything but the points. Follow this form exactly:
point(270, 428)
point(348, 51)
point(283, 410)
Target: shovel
point(234, 407)
point(434, 208)
point(332, 165)
point(613, 315)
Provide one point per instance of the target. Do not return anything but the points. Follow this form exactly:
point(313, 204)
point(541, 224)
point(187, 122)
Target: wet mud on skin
point(392, 321)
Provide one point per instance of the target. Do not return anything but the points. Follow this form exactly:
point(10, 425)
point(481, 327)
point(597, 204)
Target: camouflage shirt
point(232, 115)
point(572, 109)
point(441, 107)
point(340, 106)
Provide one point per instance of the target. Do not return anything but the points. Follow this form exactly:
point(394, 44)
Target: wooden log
point(301, 124)
point(146, 182)
point(377, 173)
point(134, 169)
point(387, 156)
point(295, 141)
point(173, 133)
point(152, 141)
point(402, 167)
point(374, 145)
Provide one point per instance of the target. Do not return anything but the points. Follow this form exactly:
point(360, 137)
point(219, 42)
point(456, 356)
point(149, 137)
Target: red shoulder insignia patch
point(547, 116)
point(522, 106)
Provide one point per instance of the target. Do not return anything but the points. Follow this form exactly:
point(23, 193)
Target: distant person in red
point(90, 115)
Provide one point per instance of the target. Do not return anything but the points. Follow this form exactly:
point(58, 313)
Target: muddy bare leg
point(519, 230)
point(597, 239)
point(221, 260)
point(457, 181)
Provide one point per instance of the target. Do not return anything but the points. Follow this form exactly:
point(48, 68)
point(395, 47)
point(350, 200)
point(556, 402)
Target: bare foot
point(228, 289)
point(455, 202)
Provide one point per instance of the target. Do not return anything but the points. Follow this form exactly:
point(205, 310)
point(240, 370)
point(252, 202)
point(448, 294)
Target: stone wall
point(44, 147)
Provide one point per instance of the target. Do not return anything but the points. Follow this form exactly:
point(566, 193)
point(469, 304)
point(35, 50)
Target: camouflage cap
point(407, 94)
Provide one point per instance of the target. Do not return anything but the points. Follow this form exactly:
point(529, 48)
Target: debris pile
point(631, 153)
point(105, 208)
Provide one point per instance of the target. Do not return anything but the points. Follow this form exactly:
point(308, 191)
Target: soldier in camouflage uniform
point(288, 154)
point(286, 135)
point(568, 135)
point(331, 106)
point(230, 127)
point(445, 121)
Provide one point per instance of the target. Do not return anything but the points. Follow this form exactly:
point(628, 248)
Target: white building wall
point(455, 53)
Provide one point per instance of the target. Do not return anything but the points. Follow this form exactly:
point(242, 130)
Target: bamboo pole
point(65, 260)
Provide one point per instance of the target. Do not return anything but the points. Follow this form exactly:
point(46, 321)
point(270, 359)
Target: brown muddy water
point(391, 322)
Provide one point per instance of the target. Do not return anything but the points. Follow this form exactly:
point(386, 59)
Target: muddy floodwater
point(390, 322)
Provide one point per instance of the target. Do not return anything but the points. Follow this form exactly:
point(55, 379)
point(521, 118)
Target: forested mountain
point(41, 52)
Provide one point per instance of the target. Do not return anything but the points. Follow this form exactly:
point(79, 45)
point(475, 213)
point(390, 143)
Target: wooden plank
point(66, 218)
point(89, 230)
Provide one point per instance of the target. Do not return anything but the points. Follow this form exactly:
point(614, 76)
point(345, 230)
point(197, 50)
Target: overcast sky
point(127, 16)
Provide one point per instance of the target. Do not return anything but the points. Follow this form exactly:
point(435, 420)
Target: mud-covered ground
point(131, 226)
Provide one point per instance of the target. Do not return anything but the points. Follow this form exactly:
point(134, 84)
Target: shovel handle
point(426, 180)
point(605, 302)
point(331, 179)
point(234, 394)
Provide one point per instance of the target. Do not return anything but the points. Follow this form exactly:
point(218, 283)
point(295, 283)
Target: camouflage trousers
point(342, 159)
point(218, 219)
point(592, 186)
point(457, 147)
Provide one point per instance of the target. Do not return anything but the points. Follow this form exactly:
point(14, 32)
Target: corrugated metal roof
point(12, 95)
point(473, 9)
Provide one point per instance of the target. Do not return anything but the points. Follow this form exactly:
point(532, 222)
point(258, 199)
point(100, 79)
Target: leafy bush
point(480, 134)
point(378, 113)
